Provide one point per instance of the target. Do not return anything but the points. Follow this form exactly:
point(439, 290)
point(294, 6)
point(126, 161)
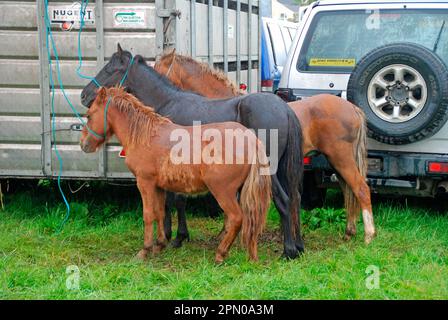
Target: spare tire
point(403, 90)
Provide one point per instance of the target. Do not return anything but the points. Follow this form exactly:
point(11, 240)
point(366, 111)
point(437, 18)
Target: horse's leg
point(223, 230)
point(159, 209)
point(169, 203)
point(147, 192)
point(228, 202)
point(342, 159)
point(182, 230)
point(300, 245)
point(281, 201)
point(212, 206)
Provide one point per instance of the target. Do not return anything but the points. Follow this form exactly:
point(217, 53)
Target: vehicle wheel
point(403, 90)
point(312, 195)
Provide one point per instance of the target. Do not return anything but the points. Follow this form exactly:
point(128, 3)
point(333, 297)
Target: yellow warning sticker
point(318, 62)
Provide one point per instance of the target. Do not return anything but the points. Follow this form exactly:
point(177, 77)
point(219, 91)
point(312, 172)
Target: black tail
point(290, 168)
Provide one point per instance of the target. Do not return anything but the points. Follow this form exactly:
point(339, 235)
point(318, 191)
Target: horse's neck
point(120, 125)
point(214, 88)
point(150, 89)
point(205, 83)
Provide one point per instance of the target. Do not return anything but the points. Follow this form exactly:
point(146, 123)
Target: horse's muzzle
point(87, 96)
point(86, 146)
point(86, 102)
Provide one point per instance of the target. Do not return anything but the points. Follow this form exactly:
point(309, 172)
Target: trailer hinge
point(171, 15)
point(166, 13)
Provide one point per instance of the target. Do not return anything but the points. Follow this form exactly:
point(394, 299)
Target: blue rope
point(82, 14)
point(53, 122)
point(50, 39)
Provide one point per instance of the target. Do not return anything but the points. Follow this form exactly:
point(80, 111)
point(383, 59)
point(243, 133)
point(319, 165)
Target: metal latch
point(166, 13)
point(76, 127)
point(171, 14)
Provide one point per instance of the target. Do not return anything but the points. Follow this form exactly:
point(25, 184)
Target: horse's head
point(168, 65)
point(111, 75)
point(96, 131)
point(189, 74)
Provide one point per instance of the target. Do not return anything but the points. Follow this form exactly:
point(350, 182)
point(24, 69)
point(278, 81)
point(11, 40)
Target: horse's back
point(224, 155)
point(264, 111)
point(326, 117)
point(187, 108)
point(326, 106)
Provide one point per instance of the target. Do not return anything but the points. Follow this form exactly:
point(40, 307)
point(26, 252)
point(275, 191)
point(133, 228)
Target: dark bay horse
point(258, 111)
point(146, 137)
point(331, 125)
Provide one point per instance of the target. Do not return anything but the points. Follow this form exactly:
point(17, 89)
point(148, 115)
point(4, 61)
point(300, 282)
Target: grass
point(105, 232)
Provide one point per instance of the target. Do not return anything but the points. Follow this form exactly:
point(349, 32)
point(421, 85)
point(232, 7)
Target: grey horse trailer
point(222, 33)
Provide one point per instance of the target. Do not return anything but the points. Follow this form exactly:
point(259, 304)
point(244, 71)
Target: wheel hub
point(397, 93)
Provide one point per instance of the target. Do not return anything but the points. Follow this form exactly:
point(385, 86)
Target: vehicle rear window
point(278, 44)
point(337, 40)
point(287, 38)
point(281, 42)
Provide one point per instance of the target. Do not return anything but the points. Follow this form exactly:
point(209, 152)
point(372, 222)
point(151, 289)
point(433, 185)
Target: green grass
point(105, 232)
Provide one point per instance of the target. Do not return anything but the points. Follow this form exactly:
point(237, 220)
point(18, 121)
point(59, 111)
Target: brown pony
point(147, 138)
point(330, 125)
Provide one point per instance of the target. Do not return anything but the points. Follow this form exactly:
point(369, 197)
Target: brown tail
point(352, 205)
point(254, 201)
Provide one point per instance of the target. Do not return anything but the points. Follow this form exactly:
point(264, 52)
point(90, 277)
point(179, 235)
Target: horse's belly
point(185, 188)
point(181, 179)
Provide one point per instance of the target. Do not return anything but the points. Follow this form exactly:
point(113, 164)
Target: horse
point(148, 140)
point(258, 111)
point(330, 125)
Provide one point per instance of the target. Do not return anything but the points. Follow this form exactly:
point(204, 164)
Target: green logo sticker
point(129, 18)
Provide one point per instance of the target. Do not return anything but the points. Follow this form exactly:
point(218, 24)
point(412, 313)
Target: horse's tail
point(255, 199)
point(291, 167)
point(352, 205)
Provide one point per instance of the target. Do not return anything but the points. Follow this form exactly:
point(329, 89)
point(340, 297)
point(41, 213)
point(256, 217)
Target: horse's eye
point(88, 117)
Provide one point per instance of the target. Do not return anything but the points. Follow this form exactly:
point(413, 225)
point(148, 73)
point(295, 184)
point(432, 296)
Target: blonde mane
point(143, 120)
point(204, 68)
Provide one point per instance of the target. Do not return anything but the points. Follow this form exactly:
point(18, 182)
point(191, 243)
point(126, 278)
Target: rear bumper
point(391, 172)
point(391, 164)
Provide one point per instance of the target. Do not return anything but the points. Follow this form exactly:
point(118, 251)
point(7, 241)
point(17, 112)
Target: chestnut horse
point(330, 125)
point(271, 118)
point(147, 138)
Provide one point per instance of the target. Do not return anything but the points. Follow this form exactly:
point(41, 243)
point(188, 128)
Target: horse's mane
point(143, 120)
point(161, 78)
point(204, 68)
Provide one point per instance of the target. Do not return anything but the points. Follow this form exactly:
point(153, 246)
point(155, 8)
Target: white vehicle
point(389, 58)
point(276, 40)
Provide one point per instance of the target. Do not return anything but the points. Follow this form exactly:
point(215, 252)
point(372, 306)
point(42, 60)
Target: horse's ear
point(101, 93)
point(139, 59)
point(171, 54)
point(119, 50)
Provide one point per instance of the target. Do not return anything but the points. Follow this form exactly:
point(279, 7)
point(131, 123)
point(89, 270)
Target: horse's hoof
point(254, 258)
point(348, 237)
point(219, 259)
point(157, 249)
point(142, 255)
point(368, 238)
point(220, 256)
point(177, 243)
point(300, 248)
point(350, 232)
point(290, 253)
